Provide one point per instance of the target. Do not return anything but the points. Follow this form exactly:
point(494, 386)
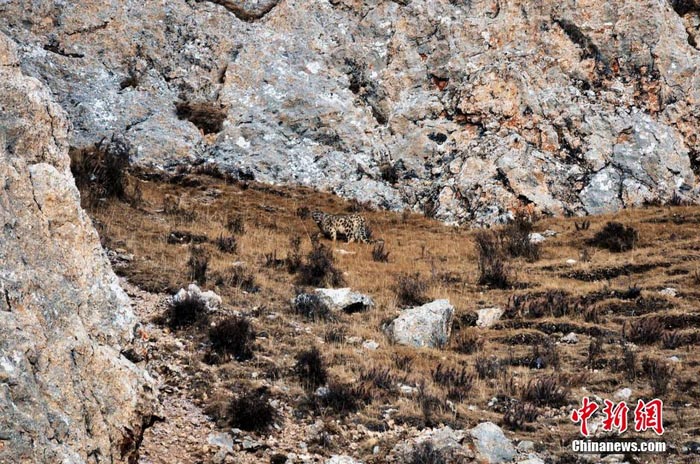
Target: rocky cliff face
point(66, 393)
point(462, 108)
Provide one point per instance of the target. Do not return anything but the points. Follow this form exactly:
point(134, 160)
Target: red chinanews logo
point(647, 416)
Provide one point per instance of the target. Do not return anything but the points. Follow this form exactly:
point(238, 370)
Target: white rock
point(423, 326)
point(571, 262)
point(370, 345)
point(532, 459)
point(571, 338)
point(623, 394)
point(344, 299)
point(488, 316)
point(342, 459)
point(526, 445)
point(211, 299)
point(535, 238)
point(669, 291)
point(491, 444)
point(549, 233)
point(224, 441)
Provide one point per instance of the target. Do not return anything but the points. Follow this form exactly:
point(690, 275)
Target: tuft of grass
point(186, 312)
point(615, 237)
point(227, 244)
point(236, 225)
point(494, 266)
point(426, 453)
point(410, 289)
point(488, 368)
point(518, 415)
point(379, 253)
point(101, 170)
point(344, 398)
point(459, 382)
point(467, 342)
point(311, 307)
point(319, 269)
point(240, 277)
point(659, 373)
point(545, 390)
point(252, 411)
point(233, 337)
point(644, 331)
point(198, 265)
point(293, 259)
point(310, 368)
point(516, 238)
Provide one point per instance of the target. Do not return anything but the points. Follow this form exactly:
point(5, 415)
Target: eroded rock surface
point(459, 109)
point(66, 393)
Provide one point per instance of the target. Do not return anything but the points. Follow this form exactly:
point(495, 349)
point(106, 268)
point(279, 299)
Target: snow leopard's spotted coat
point(351, 226)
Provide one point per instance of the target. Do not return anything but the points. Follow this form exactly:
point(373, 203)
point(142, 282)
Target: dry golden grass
point(669, 244)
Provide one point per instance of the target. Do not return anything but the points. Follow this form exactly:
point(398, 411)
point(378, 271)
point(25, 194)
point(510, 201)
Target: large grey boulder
point(491, 444)
point(460, 109)
point(423, 326)
point(66, 393)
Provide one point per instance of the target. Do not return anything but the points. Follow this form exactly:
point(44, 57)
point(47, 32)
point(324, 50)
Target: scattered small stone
point(223, 441)
point(623, 394)
point(535, 238)
point(212, 300)
point(570, 338)
point(342, 459)
point(370, 345)
point(669, 291)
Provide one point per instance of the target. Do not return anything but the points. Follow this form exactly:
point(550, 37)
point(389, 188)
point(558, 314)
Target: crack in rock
point(248, 10)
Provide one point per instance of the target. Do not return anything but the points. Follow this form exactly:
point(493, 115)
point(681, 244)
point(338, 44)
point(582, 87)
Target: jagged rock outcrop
point(66, 393)
point(461, 109)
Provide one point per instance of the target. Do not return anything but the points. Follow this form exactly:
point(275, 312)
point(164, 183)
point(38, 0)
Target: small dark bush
point(644, 331)
point(186, 311)
point(303, 212)
point(629, 362)
point(177, 237)
point(467, 342)
point(272, 261)
point(545, 391)
point(236, 225)
point(545, 356)
point(389, 173)
point(293, 259)
point(344, 398)
point(233, 337)
point(615, 237)
point(379, 377)
point(459, 382)
point(310, 368)
point(410, 289)
point(659, 373)
point(101, 170)
point(197, 265)
point(208, 117)
point(227, 244)
point(251, 411)
point(311, 307)
point(402, 361)
point(240, 277)
point(379, 254)
point(319, 270)
point(488, 368)
point(517, 416)
point(426, 453)
point(494, 267)
point(595, 352)
point(172, 207)
point(583, 225)
point(671, 340)
point(516, 238)
point(335, 334)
